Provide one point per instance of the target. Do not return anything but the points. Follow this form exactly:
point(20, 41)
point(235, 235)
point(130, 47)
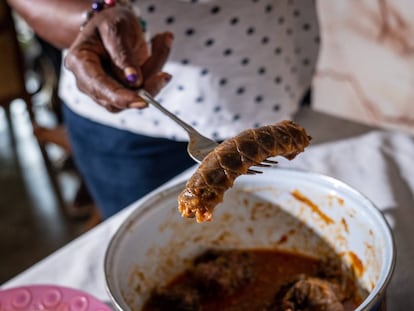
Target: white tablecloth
point(377, 163)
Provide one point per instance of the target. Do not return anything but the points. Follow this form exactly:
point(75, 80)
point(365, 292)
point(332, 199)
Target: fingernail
point(131, 74)
point(169, 40)
point(167, 78)
point(138, 105)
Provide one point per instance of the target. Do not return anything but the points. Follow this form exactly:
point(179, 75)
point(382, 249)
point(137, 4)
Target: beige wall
point(366, 64)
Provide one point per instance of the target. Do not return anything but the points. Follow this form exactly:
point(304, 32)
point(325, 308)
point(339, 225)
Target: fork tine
point(265, 163)
point(253, 172)
point(262, 165)
point(270, 161)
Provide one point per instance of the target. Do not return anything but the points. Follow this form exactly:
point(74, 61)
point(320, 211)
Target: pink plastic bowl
point(48, 298)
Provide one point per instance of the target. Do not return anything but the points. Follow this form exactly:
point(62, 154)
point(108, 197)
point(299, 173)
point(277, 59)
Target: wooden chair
point(13, 86)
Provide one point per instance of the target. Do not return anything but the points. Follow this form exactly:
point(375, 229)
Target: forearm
point(56, 21)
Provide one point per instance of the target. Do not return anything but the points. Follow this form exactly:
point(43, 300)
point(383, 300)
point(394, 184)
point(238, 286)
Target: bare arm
point(104, 53)
point(57, 22)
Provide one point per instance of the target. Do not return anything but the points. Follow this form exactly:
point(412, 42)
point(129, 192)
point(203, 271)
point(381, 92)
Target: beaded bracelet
point(99, 5)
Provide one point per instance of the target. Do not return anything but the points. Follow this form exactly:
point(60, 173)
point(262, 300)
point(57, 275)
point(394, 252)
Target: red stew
point(264, 280)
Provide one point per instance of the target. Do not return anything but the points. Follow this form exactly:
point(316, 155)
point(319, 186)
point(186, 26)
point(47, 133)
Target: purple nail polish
point(132, 78)
point(167, 78)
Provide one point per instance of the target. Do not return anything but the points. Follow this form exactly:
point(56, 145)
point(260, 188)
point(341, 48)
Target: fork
point(198, 145)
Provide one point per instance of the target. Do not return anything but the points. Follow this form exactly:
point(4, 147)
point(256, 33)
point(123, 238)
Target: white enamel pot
point(285, 209)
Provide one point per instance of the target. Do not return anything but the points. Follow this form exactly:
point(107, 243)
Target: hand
point(112, 46)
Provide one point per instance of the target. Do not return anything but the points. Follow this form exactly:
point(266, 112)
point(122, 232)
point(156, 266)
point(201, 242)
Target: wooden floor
point(32, 225)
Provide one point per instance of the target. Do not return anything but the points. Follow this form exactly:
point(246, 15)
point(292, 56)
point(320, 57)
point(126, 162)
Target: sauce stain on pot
point(315, 208)
point(356, 263)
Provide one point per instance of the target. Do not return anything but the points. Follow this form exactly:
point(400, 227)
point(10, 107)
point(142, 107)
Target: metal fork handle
point(150, 100)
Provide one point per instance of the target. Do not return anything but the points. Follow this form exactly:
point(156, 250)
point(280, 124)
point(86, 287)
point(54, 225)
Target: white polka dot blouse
point(236, 64)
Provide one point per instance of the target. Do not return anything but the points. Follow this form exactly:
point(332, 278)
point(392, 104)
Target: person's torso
point(236, 64)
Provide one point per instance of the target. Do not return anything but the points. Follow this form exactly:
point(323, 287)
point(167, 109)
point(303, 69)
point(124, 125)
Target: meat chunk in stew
point(222, 273)
point(308, 294)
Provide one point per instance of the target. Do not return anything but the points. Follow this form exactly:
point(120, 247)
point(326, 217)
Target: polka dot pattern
point(235, 65)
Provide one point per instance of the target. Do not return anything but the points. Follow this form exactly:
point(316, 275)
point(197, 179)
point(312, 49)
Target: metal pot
point(285, 209)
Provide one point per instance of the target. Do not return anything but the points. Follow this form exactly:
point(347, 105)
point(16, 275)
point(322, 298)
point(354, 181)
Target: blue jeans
point(118, 166)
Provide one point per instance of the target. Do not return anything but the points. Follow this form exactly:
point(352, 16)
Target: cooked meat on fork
point(232, 158)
